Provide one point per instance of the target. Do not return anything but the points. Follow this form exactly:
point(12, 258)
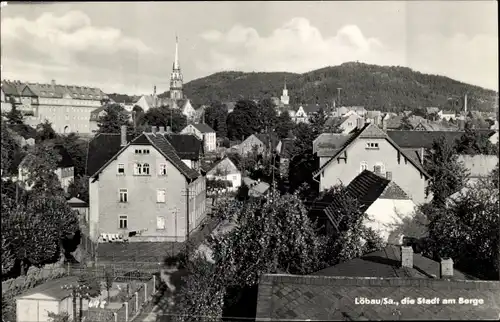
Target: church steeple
point(285, 99)
point(176, 76)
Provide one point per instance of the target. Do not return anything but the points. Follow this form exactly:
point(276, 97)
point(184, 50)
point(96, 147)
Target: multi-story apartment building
point(204, 133)
point(67, 107)
point(141, 190)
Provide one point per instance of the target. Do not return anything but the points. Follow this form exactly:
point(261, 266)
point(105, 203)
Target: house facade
point(259, 143)
point(448, 115)
point(371, 149)
point(204, 133)
point(226, 170)
point(144, 192)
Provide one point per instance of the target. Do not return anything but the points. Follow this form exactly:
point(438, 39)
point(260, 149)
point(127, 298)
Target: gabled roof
point(268, 137)
point(371, 131)
point(424, 139)
point(58, 91)
point(226, 166)
point(187, 146)
point(310, 108)
point(328, 144)
point(52, 288)
point(10, 88)
point(203, 128)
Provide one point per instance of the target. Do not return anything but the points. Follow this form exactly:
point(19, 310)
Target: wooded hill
point(386, 88)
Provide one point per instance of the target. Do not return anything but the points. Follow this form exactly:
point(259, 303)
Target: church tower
point(176, 76)
point(285, 100)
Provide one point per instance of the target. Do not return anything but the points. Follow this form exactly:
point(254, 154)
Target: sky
point(129, 47)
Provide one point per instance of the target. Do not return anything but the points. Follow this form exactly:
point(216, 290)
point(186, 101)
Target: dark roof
point(394, 122)
point(372, 131)
point(66, 160)
point(102, 148)
point(387, 263)
point(10, 88)
point(53, 288)
point(311, 108)
point(265, 137)
point(203, 128)
point(424, 139)
point(187, 146)
point(327, 298)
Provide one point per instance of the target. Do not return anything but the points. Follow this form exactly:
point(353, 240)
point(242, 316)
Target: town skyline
point(462, 46)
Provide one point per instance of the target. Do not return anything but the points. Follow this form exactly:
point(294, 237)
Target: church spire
point(285, 84)
point(176, 59)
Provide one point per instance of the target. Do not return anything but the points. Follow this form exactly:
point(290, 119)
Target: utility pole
point(175, 210)
point(171, 118)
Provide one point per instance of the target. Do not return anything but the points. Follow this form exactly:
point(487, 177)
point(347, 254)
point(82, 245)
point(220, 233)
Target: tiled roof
point(310, 108)
point(77, 203)
point(387, 263)
point(203, 128)
point(424, 139)
point(372, 131)
point(102, 148)
point(264, 138)
point(479, 165)
point(328, 144)
point(58, 91)
point(327, 298)
point(226, 166)
point(394, 122)
point(187, 146)
point(11, 88)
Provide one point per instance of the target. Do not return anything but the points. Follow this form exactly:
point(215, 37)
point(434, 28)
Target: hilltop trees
point(243, 121)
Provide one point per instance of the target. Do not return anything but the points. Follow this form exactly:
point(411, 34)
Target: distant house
point(256, 188)
point(374, 117)
point(394, 273)
point(390, 122)
point(369, 147)
point(285, 154)
point(147, 102)
point(303, 112)
point(227, 171)
point(379, 197)
point(81, 206)
point(479, 166)
point(141, 190)
point(347, 123)
point(65, 168)
point(204, 133)
point(260, 142)
point(433, 110)
point(449, 115)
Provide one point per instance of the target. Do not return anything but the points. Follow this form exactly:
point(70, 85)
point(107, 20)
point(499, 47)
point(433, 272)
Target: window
point(123, 195)
point(160, 222)
point(363, 166)
point(235, 177)
point(145, 169)
point(121, 168)
point(161, 195)
point(145, 151)
point(372, 145)
point(138, 151)
point(379, 168)
point(163, 169)
point(123, 222)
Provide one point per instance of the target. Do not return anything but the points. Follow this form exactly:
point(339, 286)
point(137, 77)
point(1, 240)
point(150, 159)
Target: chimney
point(123, 134)
point(161, 130)
point(360, 123)
point(169, 129)
point(384, 124)
point(407, 256)
point(153, 129)
point(388, 175)
point(446, 268)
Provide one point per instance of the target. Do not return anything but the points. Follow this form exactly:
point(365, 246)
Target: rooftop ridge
point(270, 279)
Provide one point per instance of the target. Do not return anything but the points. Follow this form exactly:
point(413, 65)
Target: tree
point(114, 117)
point(243, 121)
point(242, 192)
point(108, 281)
point(215, 117)
point(467, 230)
point(9, 148)
point(448, 175)
point(77, 150)
point(405, 124)
point(164, 116)
point(79, 188)
point(14, 116)
point(40, 167)
point(45, 132)
point(8, 259)
point(284, 125)
point(267, 115)
point(473, 142)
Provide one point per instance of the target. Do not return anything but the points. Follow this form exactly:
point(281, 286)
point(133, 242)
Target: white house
point(204, 133)
point(226, 170)
point(448, 115)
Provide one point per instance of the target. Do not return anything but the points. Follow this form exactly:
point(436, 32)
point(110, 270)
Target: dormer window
point(372, 145)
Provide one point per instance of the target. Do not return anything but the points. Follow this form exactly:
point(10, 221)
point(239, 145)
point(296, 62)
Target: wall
point(385, 214)
point(29, 310)
point(197, 203)
point(404, 173)
point(142, 209)
point(350, 123)
point(210, 141)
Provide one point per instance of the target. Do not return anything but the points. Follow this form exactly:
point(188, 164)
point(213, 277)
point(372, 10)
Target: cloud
point(70, 44)
point(298, 46)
